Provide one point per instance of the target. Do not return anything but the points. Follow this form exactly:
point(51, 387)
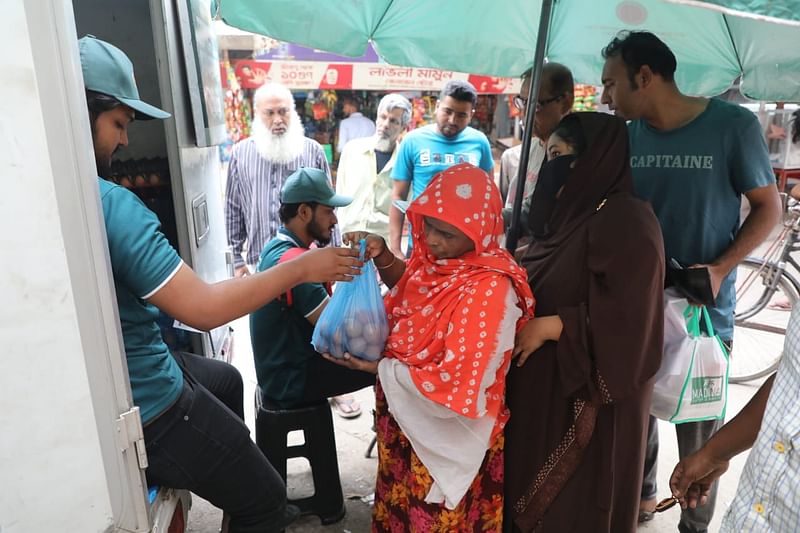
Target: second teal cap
point(311, 185)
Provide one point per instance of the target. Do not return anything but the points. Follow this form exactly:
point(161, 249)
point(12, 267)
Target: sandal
point(646, 510)
point(346, 406)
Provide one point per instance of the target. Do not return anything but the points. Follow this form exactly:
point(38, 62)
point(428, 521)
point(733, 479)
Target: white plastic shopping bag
point(692, 383)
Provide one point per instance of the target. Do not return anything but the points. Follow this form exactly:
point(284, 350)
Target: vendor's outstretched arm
point(205, 306)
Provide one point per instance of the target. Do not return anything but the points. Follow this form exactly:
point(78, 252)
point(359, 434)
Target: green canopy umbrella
point(780, 11)
point(507, 37)
point(499, 38)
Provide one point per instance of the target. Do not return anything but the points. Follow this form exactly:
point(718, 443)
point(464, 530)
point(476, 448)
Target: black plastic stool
point(273, 425)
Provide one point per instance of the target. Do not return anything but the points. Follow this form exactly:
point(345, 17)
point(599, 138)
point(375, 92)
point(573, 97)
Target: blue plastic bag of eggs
point(354, 321)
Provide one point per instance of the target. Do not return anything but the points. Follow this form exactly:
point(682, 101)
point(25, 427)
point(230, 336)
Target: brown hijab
point(601, 171)
point(598, 363)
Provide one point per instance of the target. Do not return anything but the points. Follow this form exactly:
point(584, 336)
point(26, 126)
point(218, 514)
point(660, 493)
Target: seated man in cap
point(290, 373)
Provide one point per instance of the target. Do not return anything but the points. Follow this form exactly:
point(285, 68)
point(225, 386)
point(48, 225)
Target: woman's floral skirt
point(403, 482)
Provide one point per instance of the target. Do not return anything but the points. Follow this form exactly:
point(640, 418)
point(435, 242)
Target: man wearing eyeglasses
point(556, 95)
point(259, 167)
point(433, 148)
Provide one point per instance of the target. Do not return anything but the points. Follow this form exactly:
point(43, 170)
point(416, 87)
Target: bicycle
point(765, 294)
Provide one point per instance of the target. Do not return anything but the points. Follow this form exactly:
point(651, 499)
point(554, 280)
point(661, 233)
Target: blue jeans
point(202, 444)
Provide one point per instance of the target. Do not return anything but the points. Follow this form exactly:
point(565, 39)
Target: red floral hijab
point(444, 315)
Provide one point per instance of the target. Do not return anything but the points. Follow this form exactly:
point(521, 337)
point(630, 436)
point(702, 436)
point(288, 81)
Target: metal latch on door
point(131, 434)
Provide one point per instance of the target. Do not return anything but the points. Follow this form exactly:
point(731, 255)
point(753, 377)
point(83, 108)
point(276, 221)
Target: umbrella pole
point(530, 113)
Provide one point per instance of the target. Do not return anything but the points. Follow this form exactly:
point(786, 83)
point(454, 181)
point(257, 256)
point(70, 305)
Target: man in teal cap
point(191, 407)
point(290, 373)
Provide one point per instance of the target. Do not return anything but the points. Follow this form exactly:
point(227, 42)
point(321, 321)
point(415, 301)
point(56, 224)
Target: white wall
point(62, 377)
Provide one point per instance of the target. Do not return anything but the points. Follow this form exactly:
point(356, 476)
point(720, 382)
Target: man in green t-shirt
point(191, 407)
point(290, 373)
point(693, 159)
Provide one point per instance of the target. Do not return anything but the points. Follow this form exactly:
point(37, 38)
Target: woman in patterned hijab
point(454, 309)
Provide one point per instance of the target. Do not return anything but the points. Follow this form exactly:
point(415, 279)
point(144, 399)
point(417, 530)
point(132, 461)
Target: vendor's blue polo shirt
point(281, 334)
point(694, 177)
point(142, 262)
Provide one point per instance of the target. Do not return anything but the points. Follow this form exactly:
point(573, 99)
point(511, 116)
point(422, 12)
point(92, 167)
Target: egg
point(364, 317)
point(336, 346)
point(336, 350)
point(372, 352)
point(374, 334)
point(356, 345)
point(352, 327)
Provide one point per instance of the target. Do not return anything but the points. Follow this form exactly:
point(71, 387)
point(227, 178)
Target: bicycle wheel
point(762, 313)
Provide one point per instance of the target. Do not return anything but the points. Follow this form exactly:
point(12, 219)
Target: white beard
point(281, 149)
point(383, 145)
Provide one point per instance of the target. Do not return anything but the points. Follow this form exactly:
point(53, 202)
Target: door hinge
point(131, 435)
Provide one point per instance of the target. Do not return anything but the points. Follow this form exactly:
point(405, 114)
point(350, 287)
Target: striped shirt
point(768, 497)
point(253, 195)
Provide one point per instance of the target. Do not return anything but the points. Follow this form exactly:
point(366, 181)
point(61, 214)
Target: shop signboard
point(310, 75)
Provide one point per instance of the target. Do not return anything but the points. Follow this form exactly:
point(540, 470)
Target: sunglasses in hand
point(666, 503)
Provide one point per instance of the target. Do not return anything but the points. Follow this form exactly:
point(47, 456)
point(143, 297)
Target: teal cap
point(107, 70)
point(311, 185)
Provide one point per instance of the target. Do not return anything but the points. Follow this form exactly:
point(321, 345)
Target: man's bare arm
point(397, 218)
point(693, 476)
point(206, 306)
point(765, 212)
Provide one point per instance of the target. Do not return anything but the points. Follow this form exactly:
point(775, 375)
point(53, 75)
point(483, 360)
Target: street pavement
point(358, 473)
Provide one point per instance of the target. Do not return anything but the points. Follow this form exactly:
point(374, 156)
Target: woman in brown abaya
point(580, 401)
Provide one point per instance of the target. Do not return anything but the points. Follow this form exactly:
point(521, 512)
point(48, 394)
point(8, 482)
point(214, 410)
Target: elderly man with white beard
point(259, 167)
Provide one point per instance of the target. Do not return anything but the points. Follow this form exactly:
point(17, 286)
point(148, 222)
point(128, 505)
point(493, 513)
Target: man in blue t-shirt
point(692, 159)
point(191, 407)
point(433, 148)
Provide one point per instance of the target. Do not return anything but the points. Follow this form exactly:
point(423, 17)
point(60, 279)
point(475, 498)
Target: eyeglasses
point(521, 103)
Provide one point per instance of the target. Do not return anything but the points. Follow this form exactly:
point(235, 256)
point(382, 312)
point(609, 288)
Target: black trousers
point(202, 444)
point(325, 380)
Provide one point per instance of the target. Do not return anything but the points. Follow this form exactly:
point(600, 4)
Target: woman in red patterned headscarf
point(454, 309)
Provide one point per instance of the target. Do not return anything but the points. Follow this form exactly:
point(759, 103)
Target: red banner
point(310, 75)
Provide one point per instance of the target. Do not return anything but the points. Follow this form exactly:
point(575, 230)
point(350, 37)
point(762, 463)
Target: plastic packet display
point(354, 321)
